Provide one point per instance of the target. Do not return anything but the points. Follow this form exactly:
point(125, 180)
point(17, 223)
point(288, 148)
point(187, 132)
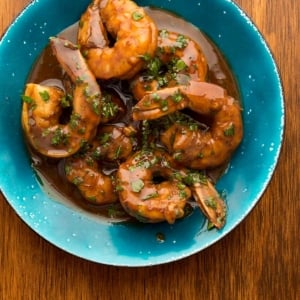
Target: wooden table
point(258, 260)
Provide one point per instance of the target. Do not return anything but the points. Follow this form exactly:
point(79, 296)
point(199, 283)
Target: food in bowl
point(134, 113)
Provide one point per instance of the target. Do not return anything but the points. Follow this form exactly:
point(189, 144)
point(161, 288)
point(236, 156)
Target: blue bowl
point(95, 239)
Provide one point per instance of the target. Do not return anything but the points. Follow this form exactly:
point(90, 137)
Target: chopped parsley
point(164, 105)
point(45, 95)
point(150, 196)
point(29, 101)
point(118, 152)
point(211, 202)
point(163, 33)
point(155, 97)
point(153, 66)
point(137, 185)
point(109, 108)
point(75, 121)
point(96, 154)
point(104, 138)
point(177, 96)
point(77, 181)
point(229, 131)
point(96, 105)
point(177, 155)
point(182, 194)
point(181, 41)
point(195, 177)
point(66, 100)
point(68, 169)
point(179, 65)
point(137, 16)
point(79, 80)
point(59, 137)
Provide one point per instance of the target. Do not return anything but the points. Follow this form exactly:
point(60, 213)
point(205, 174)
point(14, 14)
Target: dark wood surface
point(258, 260)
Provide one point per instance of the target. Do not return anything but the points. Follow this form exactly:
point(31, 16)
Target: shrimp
point(42, 107)
point(95, 186)
point(84, 170)
point(178, 59)
point(134, 31)
point(195, 148)
point(146, 200)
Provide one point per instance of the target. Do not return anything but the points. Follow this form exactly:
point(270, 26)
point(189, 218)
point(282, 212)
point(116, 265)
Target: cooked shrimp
point(93, 184)
point(134, 31)
point(112, 143)
point(178, 59)
point(196, 149)
point(42, 107)
point(146, 200)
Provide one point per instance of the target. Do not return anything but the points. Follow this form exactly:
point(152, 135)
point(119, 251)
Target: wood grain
point(258, 260)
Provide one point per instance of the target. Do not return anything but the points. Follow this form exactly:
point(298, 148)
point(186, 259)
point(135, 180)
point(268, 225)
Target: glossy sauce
point(47, 71)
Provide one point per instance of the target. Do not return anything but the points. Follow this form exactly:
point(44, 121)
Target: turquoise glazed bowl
point(96, 239)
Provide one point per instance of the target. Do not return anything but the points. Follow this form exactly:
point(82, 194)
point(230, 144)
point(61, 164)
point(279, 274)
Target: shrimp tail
point(210, 203)
point(91, 31)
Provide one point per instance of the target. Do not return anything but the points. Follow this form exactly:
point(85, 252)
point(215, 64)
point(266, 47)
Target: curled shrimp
point(177, 60)
point(146, 200)
point(196, 149)
point(42, 107)
point(95, 186)
point(134, 31)
point(84, 170)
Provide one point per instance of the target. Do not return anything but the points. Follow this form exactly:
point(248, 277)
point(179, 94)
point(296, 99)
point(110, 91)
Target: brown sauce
point(47, 71)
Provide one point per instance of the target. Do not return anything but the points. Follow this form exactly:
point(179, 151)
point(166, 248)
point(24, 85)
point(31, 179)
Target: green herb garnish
point(137, 185)
point(59, 137)
point(229, 131)
point(45, 95)
point(150, 196)
point(137, 16)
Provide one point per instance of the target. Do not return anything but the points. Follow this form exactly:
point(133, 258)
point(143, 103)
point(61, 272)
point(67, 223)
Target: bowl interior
point(94, 238)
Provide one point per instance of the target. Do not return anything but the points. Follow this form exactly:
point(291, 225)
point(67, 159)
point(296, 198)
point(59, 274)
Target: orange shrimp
point(113, 143)
point(146, 200)
point(95, 186)
point(134, 31)
point(196, 148)
point(178, 59)
point(42, 107)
